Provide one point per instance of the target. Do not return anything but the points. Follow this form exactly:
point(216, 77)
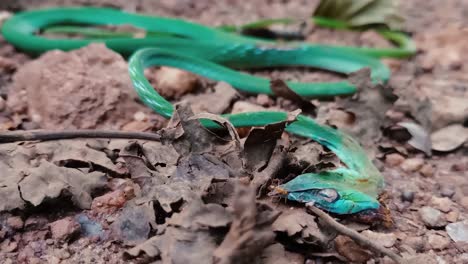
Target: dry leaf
point(250, 231)
point(449, 138)
point(347, 248)
point(420, 139)
point(358, 13)
point(300, 227)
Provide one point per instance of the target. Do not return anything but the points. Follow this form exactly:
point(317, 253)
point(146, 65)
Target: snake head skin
point(328, 193)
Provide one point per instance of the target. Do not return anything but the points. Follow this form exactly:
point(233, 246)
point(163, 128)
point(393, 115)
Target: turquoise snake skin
point(215, 53)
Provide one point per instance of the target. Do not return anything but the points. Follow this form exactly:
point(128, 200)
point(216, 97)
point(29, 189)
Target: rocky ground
point(111, 201)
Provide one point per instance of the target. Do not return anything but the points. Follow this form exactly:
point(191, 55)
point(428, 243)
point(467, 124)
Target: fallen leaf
point(281, 89)
point(194, 138)
point(368, 106)
point(78, 154)
point(261, 142)
point(276, 254)
point(347, 248)
point(30, 178)
point(300, 227)
point(277, 161)
point(200, 216)
point(132, 225)
point(358, 13)
point(48, 181)
point(149, 247)
point(250, 231)
point(420, 138)
point(449, 138)
point(193, 238)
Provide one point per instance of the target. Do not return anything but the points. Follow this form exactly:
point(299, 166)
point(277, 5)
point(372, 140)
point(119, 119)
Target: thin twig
point(43, 135)
point(358, 238)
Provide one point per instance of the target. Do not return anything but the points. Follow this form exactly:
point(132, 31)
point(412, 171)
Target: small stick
point(358, 238)
point(43, 135)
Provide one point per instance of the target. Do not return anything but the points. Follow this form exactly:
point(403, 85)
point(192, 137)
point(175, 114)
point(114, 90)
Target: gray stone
point(458, 231)
point(432, 217)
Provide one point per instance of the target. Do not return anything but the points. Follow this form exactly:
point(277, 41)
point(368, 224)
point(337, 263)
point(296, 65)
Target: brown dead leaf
point(276, 254)
point(30, 178)
point(347, 248)
point(420, 138)
point(216, 102)
point(48, 181)
point(281, 89)
point(187, 238)
point(250, 231)
point(449, 138)
point(198, 215)
point(78, 154)
point(261, 142)
point(300, 227)
point(188, 135)
point(368, 106)
point(275, 164)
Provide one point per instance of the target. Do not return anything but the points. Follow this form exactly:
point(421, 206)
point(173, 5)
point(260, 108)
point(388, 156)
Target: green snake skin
point(213, 53)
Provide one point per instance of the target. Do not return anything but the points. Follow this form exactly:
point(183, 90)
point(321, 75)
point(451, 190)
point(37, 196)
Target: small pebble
point(417, 243)
point(385, 240)
point(264, 100)
point(447, 191)
point(443, 204)
point(242, 106)
point(64, 229)
point(432, 217)
point(36, 118)
point(15, 222)
point(464, 202)
point(437, 242)
point(394, 159)
point(173, 83)
point(427, 170)
point(452, 216)
point(139, 116)
point(407, 196)
point(412, 164)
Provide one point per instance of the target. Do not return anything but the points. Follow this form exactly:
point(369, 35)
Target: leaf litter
point(148, 163)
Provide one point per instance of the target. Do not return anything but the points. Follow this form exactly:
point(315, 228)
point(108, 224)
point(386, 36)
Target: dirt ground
point(106, 201)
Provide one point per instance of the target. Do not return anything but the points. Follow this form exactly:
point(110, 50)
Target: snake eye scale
point(217, 54)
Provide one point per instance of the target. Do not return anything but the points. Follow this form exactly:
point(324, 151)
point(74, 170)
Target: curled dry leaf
point(33, 172)
point(281, 89)
point(261, 142)
point(420, 138)
point(347, 248)
point(250, 232)
point(300, 227)
point(368, 106)
point(276, 254)
point(449, 138)
point(187, 238)
point(202, 159)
